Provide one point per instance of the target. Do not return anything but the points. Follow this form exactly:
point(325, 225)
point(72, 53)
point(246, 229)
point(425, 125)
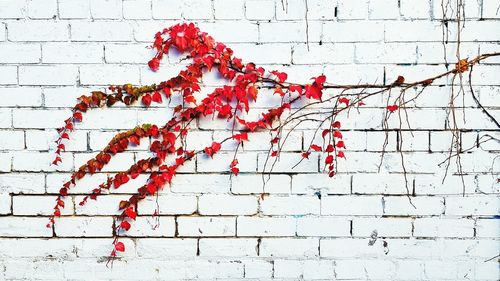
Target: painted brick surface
point(300, 225)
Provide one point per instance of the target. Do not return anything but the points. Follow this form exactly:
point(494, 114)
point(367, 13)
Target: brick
point(127, 53)
point(28, 118)
point(323, 226)
point(197, 9)
point(349, 10)
point(104, 205)
point(41, 9)
point(350, 248)
point(27, 183)
point(227, 205)
point(8, 75)
point(216, 247)
point(384, 227)
point(20, 53)
point(486, 228)
point(38, 31)
point(421, 31)
point(415, 9)
point(314, 183)
point(229, 9)
point(383, 9)
point(12, 140)
point(109, 74)
point(166, 247)
point(44, 140)
point(206, 226)
point(167, 9)
point(106, 9)
point(386, 53)
point(20, 97)
point(259, 10)
point(232, 31)
point(323, 54)
point(380, 184)
point(423, 205)
point(472, 9)
point(84, 227)
point(40, 161)
point(351, 205)
point(24, 227)
point(253, 184)
point(74, 9)
point(201, 184)
point(258, 53)
point(258, 269)
point(443, 227)
point(265, 226)
point(290, 205)
point(297, 247)
point(286, 162)
point(48, 75)
point(321, 10)
point(101, 31)
point(291, 10)
point(12, 9)
point(360, 31)
point(295, 32)
point(37, 205)
point(72, 53)
point(169, 205)
point(471, 206)
point(220, 162)
point(490, 9)
point(152, 227)
point(5, 204)
point(137, 9)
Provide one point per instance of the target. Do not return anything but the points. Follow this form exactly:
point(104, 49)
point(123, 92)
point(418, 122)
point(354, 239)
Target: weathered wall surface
point(358, 226)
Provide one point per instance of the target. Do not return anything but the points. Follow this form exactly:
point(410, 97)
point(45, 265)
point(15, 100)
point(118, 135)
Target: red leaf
point(157, 97)
point(340, 144)
point(135, 140)
point(344, 100)
point(315, 147)
point(241, 137)
point(125, 225)
point(282, 76)
point(329, 159)
point(295, 88)
point(336, 124)
point(392, 108)
point(320, 79)
point(146, 99)
point(77, 116)
point(235, 171)
point(324, 133)
point(120, 247)
point(306, 155)
point(329, 148)
point(337, 134)
point(154, 64)
point(131, 213)
point(341, 154)
point(313, 92)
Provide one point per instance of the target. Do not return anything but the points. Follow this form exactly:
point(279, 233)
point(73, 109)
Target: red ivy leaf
point(392, 108)
point(157, 97)
point(341, 154)
point(329, 159)
point(131, 213)
point(154, 64)
point(306, 155)
point(120, 247)
point(125, 225)
point(340, 144)
point(146, 100)
point(315, 147)
point(344, 100)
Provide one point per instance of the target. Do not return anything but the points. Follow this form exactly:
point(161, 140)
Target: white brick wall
point(300, 225)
